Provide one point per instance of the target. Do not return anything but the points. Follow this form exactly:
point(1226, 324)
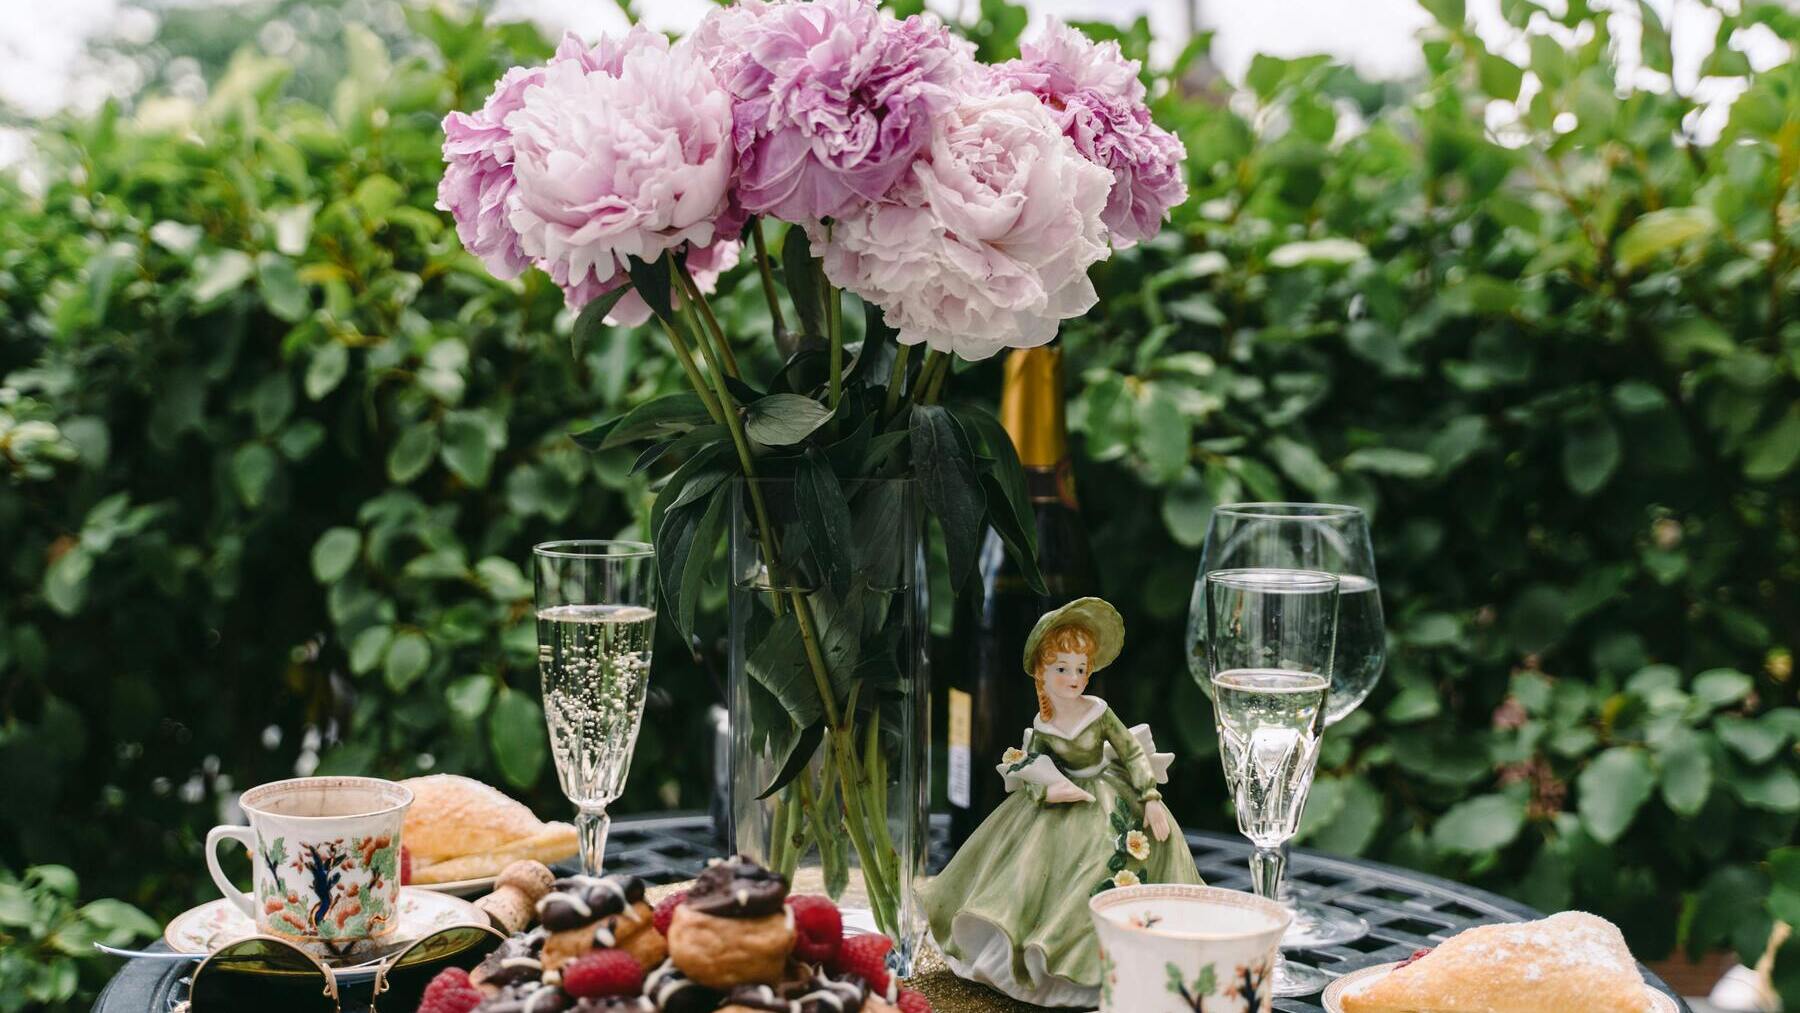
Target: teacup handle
point(243, 835)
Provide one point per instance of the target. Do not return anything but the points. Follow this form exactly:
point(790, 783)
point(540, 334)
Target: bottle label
point(961, 709)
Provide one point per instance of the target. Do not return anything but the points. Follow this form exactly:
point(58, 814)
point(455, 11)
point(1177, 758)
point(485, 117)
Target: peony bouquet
point(961, 203)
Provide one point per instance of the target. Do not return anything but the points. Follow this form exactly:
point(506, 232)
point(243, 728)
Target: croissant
point(1572, 962)
point(459, 828)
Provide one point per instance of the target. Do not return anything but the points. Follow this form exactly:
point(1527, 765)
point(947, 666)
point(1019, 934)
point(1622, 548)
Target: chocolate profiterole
point(574, 901)
point(518, 960)
point(738, 888)
point(820, 994)
point(614, 1004)
point(525, 997)
point(674, 992)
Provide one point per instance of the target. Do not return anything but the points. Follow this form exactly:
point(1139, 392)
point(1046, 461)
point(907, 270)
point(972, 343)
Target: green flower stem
point(779, 843)
point(834, 328)
point(934, 361)
point(686, 357)
point(937, 380)
point(767, 274)
point(691, 293)
point(896, 379)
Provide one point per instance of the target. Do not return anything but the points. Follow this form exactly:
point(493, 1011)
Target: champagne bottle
point(992, 700)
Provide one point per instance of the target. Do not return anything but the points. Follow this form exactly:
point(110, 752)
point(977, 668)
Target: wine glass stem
point(1284, 891)
point(1266, 868)
point(591, 826)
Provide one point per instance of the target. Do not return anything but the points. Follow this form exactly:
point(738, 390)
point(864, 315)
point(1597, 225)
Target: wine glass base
point(1293, 979)
point(1317, 925)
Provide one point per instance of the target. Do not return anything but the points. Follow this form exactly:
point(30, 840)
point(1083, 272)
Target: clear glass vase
point(830, 690)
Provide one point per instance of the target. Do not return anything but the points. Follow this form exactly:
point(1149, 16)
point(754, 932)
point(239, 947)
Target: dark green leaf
point(1611, 790)
point(652, 282)
point(778, 663)
point(805, 744)
point(516, 735)
point(825, 517)
point(801, 272)
point(782, 420)
point(593, 319)
point(950, 486)
point(658, 419)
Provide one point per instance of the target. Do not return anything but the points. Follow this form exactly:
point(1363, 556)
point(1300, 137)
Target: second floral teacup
point(326, 857)
point(1170, 948)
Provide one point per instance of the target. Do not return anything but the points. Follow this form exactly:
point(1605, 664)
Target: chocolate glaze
point(574, 901)
point(615, 1004)
point(672, 992)
point(822, 994)
point(526, 997)
point(738, 888)
point(517, 960)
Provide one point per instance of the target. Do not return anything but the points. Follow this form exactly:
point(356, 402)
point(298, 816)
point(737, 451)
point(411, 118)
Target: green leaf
point(467, 450)
point(1721, 687)
point(700, 551)
point(217, 275)
point(1163, 432)
point(1686, 773)
point(1481, 824)
point(369, 647)
point(653, 283)
point(1611, 790)
point(1302, 464)
point(778, 663)
point(951, 489)
point(516, 733)
point(412, 453)
point(825, 517)
point(1003, 486)
point(1784, 884)
point(1448, 13)
point(281, 288)
point(1500, 77)
point(659, 419)
point(65, 581)
point(782, 420)
point(406, 660)
point(468, 697)
point(253, 469)
point(1391, 461)
point(334, 553)
point(799, 754)
point(592, 320)
point(503, 579)
point(1775, 788)
point(1772, 454)
point(801, 273)
point(326, 369)
point(1657, 232)
point(1755, 740)
point(1590, 453)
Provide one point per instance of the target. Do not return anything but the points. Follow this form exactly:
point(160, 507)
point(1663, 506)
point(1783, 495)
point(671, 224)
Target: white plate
point(206, 928)
point(462, 887)
point(1333, 997)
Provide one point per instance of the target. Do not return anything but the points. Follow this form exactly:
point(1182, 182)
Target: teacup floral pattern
point(341, 888)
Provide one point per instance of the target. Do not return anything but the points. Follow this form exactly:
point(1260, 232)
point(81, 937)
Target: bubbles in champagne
point(595, 664)
point(1270, 722)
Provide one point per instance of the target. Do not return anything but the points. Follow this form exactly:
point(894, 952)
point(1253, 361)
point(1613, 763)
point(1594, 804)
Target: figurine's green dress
point(1011, 909)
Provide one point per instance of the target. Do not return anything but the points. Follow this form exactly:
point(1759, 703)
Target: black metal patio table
point(1406, 910)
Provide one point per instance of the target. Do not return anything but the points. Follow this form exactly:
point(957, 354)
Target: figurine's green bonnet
point(1092, 614)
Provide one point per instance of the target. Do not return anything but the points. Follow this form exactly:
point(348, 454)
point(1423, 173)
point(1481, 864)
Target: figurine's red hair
point(1069, 639)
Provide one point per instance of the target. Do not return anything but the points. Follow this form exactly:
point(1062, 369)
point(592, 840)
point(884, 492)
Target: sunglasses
point(272, 975)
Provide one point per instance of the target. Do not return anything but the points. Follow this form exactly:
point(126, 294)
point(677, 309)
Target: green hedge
point(276, 447)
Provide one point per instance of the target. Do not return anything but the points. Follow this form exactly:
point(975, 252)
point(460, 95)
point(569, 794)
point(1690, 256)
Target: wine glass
point(1270, 659)
point(1315, 536)
point(596, 621)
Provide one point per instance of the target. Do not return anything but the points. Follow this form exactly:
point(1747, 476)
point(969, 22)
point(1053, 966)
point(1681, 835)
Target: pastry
point(614, 1004)
point(458, 828)
point(674, 992)
point(734, 929)
point(630, 930)
point(820, 993)
point(516, 892)
point(517, 961)
point(574, 901)
point(526, 997)
point(1572, 962)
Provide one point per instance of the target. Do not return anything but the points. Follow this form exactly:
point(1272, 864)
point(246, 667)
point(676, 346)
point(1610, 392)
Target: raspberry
point(405, 866)
point(603, 972)
point(665, 911)
point(450, 992)
point(866, 957)
point(818, 928)
point(1416, 954)
point(914, 1002)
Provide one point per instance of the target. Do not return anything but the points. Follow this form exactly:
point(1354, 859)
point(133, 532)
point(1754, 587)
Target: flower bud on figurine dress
point(1083, 814)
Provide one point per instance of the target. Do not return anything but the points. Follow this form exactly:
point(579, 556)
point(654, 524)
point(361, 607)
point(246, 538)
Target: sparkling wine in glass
point(595, 623)
point(1273, 635)
point(1333, 538)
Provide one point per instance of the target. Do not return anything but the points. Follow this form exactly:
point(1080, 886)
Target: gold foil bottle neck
point(1031, 406)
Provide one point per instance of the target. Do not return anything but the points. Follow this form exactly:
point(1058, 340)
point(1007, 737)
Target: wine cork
point(517, 890)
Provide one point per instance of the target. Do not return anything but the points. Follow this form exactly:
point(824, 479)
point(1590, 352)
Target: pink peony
point(621, 151)
point(834, 99)
point(1096, 95)
point(987, 245)
point(478, 175)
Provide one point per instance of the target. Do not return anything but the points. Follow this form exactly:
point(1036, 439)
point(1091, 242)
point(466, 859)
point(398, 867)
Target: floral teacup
point(1175, 948)
point(325, 853)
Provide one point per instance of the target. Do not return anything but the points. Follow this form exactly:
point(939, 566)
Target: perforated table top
point(1406, 910)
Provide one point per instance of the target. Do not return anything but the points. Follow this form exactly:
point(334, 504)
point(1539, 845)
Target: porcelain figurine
point(1084, 815)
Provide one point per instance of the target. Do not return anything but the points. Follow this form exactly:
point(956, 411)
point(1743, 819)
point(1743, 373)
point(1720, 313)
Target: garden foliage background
point(275, 448)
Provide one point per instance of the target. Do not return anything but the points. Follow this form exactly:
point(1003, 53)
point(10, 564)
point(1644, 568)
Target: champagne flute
point(596, 621)
point(1273, 632)
point(1313, 536)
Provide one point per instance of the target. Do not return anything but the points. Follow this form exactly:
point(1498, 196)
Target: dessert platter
point(736, 941)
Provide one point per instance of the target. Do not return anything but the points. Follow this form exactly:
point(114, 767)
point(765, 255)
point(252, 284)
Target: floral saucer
point(206, 928)
point(1333, 999)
